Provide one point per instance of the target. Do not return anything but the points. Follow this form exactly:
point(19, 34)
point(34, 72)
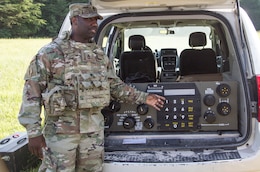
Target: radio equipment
point(197, 107)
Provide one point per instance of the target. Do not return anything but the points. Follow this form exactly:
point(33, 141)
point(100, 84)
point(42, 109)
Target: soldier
point(73, 79)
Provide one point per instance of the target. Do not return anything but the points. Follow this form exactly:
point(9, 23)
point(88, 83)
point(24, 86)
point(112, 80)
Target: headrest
point(197, 39)
point(136, 42)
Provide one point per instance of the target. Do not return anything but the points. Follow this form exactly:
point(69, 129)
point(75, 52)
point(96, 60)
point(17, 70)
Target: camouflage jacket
point(73, 82)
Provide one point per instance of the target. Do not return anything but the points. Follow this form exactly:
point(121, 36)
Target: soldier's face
point(87, 27)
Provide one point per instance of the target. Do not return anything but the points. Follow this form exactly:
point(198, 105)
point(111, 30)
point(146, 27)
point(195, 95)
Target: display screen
point(168, 52)
point(179, 92)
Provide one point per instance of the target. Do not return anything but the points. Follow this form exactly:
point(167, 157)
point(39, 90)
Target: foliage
point(20, 18)
point(252, 8)
point(59, 10)
point(32, 18)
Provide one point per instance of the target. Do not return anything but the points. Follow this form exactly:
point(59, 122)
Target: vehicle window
point(167, 40)
point(174, 37)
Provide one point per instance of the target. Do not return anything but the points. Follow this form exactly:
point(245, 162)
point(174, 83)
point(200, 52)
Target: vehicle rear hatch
point(119, 6)
point(168, 146)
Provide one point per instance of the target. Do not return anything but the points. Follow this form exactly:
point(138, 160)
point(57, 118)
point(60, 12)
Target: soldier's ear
point(74, 20)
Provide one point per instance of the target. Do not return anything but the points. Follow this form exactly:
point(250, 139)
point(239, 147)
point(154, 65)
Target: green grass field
point(15, 55)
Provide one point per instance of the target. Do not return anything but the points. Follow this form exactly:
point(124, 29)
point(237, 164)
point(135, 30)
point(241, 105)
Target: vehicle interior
point(191, 61)
point(168, 41)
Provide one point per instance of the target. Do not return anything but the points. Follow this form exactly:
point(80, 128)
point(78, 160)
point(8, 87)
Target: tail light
point(258, 94)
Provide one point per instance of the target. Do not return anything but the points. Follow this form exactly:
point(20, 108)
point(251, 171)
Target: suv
point(203, 57)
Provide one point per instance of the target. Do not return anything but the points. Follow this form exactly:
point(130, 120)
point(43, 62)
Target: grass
point(15, 55)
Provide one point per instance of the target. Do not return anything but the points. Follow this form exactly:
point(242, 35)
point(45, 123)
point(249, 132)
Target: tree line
point(32, 18)
point(43, 18)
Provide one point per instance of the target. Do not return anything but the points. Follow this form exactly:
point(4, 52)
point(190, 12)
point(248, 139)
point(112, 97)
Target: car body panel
point(140, 5)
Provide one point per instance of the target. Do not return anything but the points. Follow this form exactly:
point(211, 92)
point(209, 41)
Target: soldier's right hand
point(36, 144)
point(155, 101)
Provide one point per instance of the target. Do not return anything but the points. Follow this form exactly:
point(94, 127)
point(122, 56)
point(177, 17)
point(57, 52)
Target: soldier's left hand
point(155, 101)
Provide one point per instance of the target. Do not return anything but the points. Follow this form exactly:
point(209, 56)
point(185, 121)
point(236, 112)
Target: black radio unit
point(197, 106)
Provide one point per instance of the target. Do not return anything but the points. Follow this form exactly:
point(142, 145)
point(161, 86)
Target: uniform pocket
point(54, 103)
point(58, 103)
point(67, 125)
point(71, 100)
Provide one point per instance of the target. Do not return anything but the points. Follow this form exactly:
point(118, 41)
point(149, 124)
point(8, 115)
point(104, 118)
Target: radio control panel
point(196, 106)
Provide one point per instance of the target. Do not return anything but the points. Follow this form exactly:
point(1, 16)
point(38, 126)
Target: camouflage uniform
point(73, 81)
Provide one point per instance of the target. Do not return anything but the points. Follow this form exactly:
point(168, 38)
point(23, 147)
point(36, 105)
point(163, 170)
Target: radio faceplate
point(196, 106)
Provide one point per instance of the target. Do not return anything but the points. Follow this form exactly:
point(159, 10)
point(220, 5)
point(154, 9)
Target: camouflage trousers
point(73, 153)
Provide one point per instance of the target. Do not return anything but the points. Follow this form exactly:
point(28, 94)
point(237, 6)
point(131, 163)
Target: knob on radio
point(142, 109)
point(209, 100)
point(148, 123)
point(108, 117)
point(129, 122)
point(114, 106)
point(209, 116)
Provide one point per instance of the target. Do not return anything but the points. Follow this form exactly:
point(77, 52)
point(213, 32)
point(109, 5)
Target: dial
point(142, 109)
point(114, 106)
point(209, 100)
point(129, 122)
point(149, 123)
point(210, 116)
point(108, 117)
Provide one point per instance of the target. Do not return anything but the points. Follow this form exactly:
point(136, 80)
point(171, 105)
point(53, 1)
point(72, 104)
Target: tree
point(20, 18)
point(58, 10)
point(252, 8)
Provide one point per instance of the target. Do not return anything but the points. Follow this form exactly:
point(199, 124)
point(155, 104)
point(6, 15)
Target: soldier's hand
point(36, 144)
point(155, 101)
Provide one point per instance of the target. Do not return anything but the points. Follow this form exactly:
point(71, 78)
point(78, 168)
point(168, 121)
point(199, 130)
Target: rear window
point(174, 37)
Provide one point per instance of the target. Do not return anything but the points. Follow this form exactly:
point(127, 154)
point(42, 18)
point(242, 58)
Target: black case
point(14, 152)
